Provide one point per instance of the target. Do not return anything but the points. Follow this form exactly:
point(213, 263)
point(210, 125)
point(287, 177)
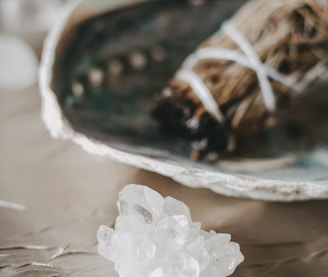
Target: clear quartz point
point(141, 200)
point(155, 237)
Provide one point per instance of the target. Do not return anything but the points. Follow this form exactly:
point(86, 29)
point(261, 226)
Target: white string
point(11, 205)
point(266, 88)
point(249, 59)
point(232, 55)
point(215, 53)
point(202, 92)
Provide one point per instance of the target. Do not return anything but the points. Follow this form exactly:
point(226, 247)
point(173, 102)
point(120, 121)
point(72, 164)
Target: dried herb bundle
point(289, 37)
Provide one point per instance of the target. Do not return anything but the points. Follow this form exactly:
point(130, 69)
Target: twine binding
point(248, 58)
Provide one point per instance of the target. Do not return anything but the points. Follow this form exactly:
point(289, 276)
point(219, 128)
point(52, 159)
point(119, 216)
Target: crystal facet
point(155, 237)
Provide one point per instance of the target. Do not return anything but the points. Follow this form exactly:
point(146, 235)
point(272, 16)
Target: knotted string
point(248, 58)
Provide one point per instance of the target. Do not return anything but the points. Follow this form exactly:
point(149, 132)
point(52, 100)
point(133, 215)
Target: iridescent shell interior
point(110, 67)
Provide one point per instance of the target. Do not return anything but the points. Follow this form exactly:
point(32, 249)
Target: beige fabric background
point(68, 193)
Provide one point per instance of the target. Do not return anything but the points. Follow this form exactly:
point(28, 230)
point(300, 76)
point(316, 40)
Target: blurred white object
point(27, 19)
point(18, 63)
point(155, 237)
point(28, 16)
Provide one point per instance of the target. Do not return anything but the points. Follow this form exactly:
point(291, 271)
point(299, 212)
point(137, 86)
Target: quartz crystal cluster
point(155, 237)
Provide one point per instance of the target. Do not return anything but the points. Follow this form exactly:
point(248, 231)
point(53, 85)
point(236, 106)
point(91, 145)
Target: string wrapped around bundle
point(239, 79)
